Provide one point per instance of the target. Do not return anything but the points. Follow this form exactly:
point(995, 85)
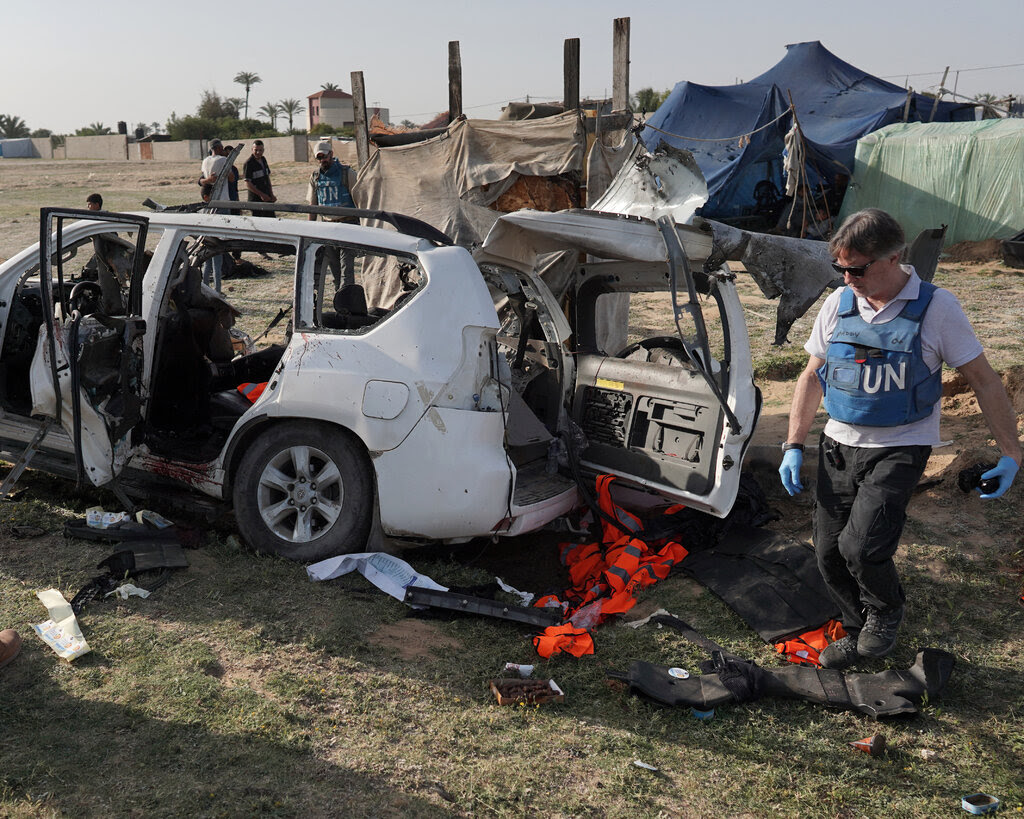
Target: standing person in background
point(256, 171)
point(876, 354)
point(233, 177)
point(213, 163)
point(331, 185)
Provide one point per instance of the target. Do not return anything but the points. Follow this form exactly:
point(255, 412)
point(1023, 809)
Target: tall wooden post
point(454, 82)
point(361, 126)
point(571, 74)
point(620, 64)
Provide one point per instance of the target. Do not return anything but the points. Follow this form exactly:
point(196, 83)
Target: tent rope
point(745, 136)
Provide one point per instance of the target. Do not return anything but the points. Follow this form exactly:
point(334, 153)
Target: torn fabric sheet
point(61, 632)
point(389, 574)
point(127, 590)
point(525, 598)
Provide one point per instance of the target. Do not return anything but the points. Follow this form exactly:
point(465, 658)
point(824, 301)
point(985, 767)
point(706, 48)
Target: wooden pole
point(571, 74)
point(620, 64)
point(906, 107)
point(454, 82)
point(938, 94)
point(361, 126)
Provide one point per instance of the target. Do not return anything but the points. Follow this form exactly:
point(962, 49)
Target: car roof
point(290, 229)
point(516, 239)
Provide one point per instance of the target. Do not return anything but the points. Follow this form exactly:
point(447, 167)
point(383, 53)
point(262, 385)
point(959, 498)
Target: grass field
point(240, 688)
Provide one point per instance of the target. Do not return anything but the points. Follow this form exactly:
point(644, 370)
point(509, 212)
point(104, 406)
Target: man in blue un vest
point(331, 184)
point(876, 354)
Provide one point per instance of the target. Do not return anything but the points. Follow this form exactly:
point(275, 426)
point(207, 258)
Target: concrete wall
point(110, 146)
point(43, 147)
point(344, 150)
point(281, 149)
point(181, 151)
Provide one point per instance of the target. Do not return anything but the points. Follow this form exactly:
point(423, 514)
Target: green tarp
point(968, 175)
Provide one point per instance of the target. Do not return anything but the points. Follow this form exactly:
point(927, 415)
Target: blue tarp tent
point(836, 104)
point(21, 147)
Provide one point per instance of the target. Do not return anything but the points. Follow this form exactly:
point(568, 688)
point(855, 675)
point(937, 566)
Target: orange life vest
point(605, 576)
point(805, 648)
point(252, 391)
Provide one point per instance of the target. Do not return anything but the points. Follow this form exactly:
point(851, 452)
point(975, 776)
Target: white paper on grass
point(61, 632)
point(386, 572)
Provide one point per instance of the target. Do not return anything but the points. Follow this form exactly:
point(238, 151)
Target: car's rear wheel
point(303, 491)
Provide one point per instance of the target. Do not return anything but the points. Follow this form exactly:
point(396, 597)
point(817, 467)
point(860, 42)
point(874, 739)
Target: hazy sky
point(64, 65)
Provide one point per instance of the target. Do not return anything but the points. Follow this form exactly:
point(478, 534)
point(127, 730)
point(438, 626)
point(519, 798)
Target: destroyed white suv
point(434, 395)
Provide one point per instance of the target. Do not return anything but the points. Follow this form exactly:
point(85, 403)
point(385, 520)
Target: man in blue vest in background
point(876, 354)
point(330, 185)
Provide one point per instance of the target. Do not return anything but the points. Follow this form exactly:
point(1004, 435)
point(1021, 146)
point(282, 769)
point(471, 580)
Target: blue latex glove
point(792, 460)
point(1005, 470)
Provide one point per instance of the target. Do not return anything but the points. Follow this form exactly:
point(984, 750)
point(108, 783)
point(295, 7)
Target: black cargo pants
point(860, 510)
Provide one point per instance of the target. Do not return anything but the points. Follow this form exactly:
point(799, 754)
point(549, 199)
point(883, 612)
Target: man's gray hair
point(871, 232)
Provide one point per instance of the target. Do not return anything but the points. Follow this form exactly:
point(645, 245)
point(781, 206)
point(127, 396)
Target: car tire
point(303, 491)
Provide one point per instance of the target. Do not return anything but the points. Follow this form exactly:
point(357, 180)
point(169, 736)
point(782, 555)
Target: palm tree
point(272, 110)
point(290, 108)
point(330, 86)
point(248, 79)
point(237, 103)
point(13, 127)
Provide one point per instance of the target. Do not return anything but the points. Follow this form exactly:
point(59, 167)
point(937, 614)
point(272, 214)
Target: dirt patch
point(989, 250)
point(413, 639)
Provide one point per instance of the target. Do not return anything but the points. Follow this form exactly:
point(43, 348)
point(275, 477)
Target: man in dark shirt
point(257, 179)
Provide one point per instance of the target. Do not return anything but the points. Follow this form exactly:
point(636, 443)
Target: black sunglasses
point(856, 270)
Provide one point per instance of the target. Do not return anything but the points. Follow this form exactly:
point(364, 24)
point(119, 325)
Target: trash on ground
point(510, 691)
point(520, 669)
point(389, 574)
point(97, 518)
point(978, 803)
point(703, 716)
point(457, 601)
point(644, 765)
point(525, 598)
point(730, 679)
point(873, 745)
point(127, 590)
point(61, 632)
point(154, 560)
point(927, 754)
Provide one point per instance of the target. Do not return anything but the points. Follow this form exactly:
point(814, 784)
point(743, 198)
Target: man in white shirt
point(876, 354)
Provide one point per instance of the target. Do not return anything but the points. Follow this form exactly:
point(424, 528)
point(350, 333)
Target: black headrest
point(351, 299)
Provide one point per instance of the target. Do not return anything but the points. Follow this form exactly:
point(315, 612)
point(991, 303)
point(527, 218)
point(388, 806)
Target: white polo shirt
point(946, 337)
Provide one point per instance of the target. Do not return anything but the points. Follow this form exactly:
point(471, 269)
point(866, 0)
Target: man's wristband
point(788, 446)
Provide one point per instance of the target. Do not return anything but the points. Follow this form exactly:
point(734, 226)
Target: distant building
point(335, 108)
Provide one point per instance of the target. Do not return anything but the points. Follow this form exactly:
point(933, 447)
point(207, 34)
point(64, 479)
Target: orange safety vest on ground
point(605, 576)
point(805, 648)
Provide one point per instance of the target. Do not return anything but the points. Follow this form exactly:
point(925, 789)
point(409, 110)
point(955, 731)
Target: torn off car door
point(87, 368)
point(664, 412)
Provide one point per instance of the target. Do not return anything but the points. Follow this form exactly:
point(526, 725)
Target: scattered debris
point(884, 694)
point(927, 754)
point(978, 803)
point(523, 692)
point(873, 745)
point(159, 557)
point(389, 574)
point(521, 669)
point(61, 632)
point(644, 765)
point(454, 601)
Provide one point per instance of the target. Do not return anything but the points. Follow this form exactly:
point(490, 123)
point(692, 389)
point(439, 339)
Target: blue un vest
point(874, 374)
point(332, 186)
